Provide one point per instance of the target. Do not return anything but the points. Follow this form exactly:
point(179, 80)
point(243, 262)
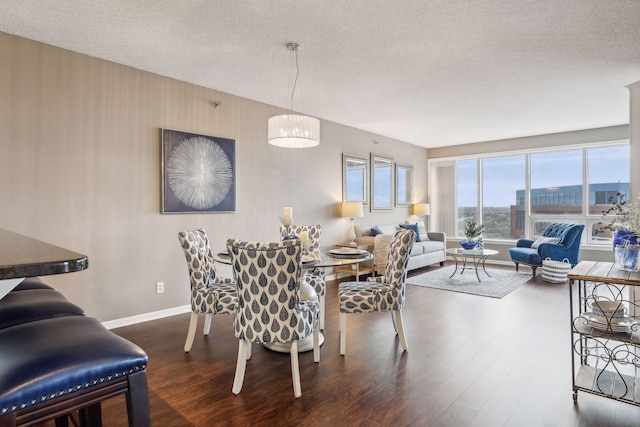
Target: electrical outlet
point(159, 287)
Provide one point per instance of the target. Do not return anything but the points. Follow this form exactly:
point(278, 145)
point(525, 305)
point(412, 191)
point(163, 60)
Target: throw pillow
point(422, 231)
point(542, 240)
point(375, 230)
point(413, 227)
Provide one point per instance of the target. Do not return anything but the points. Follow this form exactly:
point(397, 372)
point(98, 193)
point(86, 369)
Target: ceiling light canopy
point(294, 130)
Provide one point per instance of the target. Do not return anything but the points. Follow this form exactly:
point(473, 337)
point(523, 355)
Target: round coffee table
point(478, 258)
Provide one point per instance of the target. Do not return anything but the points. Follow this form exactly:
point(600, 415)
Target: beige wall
point(80, 168)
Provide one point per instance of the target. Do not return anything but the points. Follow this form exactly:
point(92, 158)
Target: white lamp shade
point(294, 131)
point(421, 209)
point(352, 210)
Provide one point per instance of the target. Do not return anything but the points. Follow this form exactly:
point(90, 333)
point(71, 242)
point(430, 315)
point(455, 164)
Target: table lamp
point(420, 210)
point(352, 210)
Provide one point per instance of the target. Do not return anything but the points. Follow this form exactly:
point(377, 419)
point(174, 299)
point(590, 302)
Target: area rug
point(501, 282)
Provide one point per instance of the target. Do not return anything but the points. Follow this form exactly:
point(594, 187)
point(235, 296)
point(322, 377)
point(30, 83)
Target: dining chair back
point(210, 294)
point(269, 308)
point(314, 276)
point(313, 233)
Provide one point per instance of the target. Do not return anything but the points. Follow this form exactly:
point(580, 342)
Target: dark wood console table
point(22, 256)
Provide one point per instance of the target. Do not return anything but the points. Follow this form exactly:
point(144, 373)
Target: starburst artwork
point(198, 173)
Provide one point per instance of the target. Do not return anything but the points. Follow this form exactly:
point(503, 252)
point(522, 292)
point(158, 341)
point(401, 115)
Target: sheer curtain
point(443, 198)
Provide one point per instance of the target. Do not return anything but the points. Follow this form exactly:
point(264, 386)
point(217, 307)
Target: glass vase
point(627, 257)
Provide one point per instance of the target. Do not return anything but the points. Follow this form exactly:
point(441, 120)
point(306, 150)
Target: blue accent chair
point(568, 246)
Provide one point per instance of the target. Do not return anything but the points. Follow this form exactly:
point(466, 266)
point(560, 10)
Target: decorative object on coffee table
point(472, 230)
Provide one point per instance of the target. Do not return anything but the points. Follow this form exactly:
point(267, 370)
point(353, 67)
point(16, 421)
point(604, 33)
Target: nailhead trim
point(23, 405)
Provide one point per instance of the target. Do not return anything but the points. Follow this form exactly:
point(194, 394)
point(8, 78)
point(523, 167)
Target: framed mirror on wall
point(355, 178)
point(381, 183)
point(404, 185)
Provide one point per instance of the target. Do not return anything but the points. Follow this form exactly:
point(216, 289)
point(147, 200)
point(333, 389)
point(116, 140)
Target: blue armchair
point(568, 238)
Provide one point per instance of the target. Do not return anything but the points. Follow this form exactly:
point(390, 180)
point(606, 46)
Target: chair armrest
point(558, 252)
point(524, 243)
point(437, 236)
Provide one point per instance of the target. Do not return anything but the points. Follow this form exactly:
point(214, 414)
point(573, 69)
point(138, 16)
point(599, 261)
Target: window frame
point(530, 219)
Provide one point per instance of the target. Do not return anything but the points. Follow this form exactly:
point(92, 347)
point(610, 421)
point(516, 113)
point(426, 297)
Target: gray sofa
point(429, 250)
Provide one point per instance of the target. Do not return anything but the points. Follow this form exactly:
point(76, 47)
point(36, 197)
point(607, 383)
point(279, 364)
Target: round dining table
point(321, 258)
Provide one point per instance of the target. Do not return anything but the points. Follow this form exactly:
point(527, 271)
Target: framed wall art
point(198, 173)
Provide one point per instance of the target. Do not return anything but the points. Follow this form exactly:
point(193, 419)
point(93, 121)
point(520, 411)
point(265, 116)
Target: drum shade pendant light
point(294, 130)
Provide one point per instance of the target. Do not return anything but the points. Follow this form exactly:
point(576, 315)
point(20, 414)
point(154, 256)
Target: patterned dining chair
point(269, 308)
point(313, 276)
point(382, 293)
point(210, 294)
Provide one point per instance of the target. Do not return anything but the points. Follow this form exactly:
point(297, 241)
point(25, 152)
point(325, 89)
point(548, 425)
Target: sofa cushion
point(375, 230)
point(388, 228)
point(526, 256)
point(416, 249)
point(431, 246)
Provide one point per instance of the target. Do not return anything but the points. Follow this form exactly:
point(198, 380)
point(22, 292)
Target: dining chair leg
point(207, 323)
point(316, 344)
point(193, 325)
point(241, 365)
point(295, 370)
point(343, 333)
point(393, 319)
point(321, 301)
point(401, 335)
point(249, 349)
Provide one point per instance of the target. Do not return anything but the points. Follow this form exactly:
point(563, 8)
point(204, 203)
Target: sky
point(505, 175)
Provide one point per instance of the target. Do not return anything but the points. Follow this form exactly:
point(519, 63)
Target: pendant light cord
point(294, 47)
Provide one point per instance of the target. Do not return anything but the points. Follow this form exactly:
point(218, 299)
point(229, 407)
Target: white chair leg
point(241, 365)
point(401, 335)
point(393, 319)
point(316, 344)
point(207, 323)
point(321, 301)
point(295, 370)
point(193, 325)
point(343, 333)
point(249, 350)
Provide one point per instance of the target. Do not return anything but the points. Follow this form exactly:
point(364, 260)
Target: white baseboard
point(154, 315)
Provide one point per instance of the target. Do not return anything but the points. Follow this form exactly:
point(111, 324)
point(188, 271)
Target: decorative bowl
point(608, 309)
point(468, 245)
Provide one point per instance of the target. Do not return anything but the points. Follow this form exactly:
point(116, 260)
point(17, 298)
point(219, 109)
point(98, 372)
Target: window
point(556, 183)
point(574, 185)
point(467, 192)
point(502, 177)
point(608, 176)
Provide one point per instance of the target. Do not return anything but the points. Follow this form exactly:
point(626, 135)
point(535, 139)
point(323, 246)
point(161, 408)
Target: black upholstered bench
point(31, 283)
point(29, 305)
point(55, 361)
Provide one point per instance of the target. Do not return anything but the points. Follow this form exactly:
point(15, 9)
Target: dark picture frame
point(198, 173)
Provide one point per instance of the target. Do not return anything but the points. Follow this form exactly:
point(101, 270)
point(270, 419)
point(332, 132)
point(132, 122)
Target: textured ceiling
point(429, 72)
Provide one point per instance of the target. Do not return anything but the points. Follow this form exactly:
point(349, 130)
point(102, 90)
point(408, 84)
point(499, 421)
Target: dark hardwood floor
point(472, 361)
